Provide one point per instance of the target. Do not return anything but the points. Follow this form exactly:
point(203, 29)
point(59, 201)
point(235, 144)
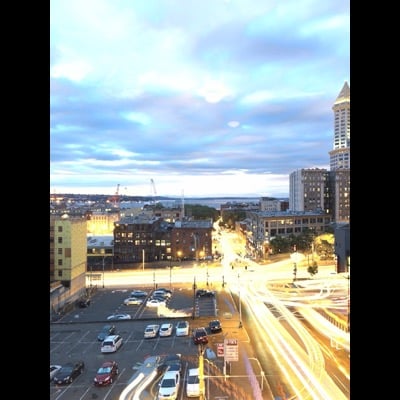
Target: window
point(59, 240)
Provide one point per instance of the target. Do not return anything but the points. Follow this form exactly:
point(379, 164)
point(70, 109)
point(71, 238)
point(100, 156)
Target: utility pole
point(201, 373)
point(240, 303)
point(194, 297)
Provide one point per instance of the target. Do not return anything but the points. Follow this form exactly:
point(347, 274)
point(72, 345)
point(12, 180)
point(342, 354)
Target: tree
point(313, 269)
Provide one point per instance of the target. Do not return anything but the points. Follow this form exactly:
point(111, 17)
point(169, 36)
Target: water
point(213, 202)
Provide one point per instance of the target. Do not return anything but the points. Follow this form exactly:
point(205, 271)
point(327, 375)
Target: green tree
point(313, 269)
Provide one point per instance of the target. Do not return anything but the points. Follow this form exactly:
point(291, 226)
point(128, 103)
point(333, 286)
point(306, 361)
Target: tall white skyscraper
point(340, 155)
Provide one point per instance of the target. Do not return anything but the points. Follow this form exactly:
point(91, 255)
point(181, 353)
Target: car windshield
point(104, 370)
point(168, 383)
point(193, 379)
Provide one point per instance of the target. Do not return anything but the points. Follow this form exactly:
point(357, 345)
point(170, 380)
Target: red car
point(106, 374)
point(200, 336)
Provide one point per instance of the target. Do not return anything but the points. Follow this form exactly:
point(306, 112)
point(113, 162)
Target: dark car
point(106, 374)
point(68, 372)
point(215, 326)
point(107, 330)
point(205, 293)
point(171, 362)
point(200, 336)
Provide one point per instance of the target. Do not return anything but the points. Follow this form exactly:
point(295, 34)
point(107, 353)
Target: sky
point(193, 98)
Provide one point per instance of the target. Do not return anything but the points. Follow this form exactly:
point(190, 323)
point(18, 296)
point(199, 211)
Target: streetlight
point(240, 303)
point(194, 297)
point(143, 259)
point(170, 272)
point(262, 373)
point(103, 268)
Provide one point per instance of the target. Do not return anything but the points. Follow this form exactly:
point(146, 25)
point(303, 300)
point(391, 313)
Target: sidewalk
point(244, 381)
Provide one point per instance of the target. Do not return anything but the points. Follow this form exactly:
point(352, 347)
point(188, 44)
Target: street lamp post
point(194, 297)
point(240, 303)
point(207, 276)
point(262, 373)
point(103, 268)
point(170, 273)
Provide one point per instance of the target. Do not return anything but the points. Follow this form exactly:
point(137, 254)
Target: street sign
point(231, 350)
point(220, 349)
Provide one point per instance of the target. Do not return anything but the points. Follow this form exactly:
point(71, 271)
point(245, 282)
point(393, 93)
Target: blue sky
point(204, 97)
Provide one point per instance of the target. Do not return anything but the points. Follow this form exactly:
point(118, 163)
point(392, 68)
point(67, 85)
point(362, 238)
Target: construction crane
point(153, 190)
point(114, 200)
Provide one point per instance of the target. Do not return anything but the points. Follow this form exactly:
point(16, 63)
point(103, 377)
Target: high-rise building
point(318, 189)
point(340, 155)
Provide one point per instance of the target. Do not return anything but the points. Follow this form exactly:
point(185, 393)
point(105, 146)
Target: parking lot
point(74, 337)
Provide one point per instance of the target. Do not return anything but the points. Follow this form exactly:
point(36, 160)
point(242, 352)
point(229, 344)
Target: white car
point(151, 331)
point(114, 317)
point(166, 329)
point(53, 370)
point(139, 293)
point(133, 301)
point(193, 383)
point(169, 386)
point(182, 328)
point(156, 303)
point(111, 344)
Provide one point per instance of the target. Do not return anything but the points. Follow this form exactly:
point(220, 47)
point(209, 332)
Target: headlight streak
point(290, 356)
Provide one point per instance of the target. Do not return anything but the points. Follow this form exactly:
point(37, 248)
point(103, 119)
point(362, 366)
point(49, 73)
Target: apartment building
point(68, 258)
point(263, 226)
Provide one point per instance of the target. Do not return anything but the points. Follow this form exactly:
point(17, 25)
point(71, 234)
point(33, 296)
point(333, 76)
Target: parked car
point(200, 336)
point(53, 370)
point(68, 372)
point(111, 344)
point(135, 301)
point(161, 293)
point(106, 330)
point(205, 293)
point(165, 290)
point(156, 303)
point(215, 326)
point(151, 331)
point(139, 293)
point(106, 374)
point(169, 386)
point(166, 329)
point(182, 328)
point(193, 383)
point(115, 317)
point(171, 362)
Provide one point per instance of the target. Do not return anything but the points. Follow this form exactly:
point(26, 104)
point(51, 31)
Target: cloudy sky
point(201, 97)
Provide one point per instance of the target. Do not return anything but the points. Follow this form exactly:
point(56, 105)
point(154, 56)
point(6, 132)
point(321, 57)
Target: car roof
point(111, 337)
point(193, 371)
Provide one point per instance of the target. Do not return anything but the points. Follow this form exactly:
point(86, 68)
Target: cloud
point(213, 98)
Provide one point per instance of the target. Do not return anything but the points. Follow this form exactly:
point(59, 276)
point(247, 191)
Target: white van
point(111, 344)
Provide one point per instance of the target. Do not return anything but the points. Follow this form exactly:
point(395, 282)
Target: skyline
point(218, 98)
